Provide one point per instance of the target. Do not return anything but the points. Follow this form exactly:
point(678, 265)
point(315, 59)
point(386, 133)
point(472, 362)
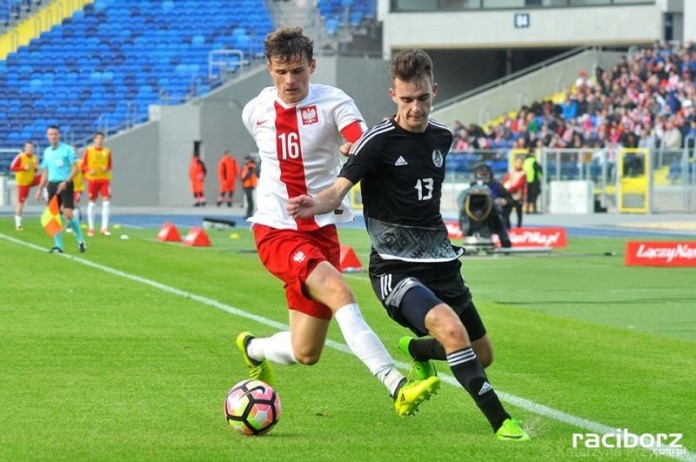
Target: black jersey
point(401, 175)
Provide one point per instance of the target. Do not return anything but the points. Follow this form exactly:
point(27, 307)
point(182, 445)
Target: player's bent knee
point(453, 331)
point(452, 336)
point(307, 359)
point(307, 354)
point(443, 324)
point(329, 288)
point(456, 336)
point(338, 285)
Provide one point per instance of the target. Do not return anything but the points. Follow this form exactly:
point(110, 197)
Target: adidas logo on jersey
point(400, 162)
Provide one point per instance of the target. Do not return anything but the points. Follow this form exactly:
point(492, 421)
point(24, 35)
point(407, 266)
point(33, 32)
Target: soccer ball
point(252, 407)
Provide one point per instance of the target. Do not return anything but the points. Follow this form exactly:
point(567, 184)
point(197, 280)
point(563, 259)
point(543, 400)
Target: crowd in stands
point(646, 100)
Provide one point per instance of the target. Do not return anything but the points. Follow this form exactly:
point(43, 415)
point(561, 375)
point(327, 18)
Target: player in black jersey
point(414, 269)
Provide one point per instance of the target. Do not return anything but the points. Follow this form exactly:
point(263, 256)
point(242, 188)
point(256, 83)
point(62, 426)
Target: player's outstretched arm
point(327, 200)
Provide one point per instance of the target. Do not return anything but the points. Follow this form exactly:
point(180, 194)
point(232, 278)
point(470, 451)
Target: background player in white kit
point(298, 128)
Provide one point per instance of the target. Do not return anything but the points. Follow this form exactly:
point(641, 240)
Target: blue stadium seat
point(500, 167)
point(118, 54)
point(332, 25)
point(570, 170)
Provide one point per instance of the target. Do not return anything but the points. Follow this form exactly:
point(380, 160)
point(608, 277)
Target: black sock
point(468, 371)
point(424, 349)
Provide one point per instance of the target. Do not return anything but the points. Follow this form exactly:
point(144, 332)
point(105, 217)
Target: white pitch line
point(523, 403)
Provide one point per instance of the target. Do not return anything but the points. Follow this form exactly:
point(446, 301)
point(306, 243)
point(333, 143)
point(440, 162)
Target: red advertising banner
point(522, 237)
point(539, 237)
point(453, 229)
point(642, 253)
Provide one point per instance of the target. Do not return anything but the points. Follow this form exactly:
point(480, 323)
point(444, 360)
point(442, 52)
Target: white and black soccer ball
point(252, 407)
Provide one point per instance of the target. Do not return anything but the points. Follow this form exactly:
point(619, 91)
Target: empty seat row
point(112, 59)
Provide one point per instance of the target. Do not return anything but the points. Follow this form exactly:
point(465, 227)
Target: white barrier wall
point(561, 27)
point(4, 191)
point(572, 196)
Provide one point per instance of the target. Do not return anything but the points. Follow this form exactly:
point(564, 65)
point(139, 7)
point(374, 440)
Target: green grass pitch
point(126, 353)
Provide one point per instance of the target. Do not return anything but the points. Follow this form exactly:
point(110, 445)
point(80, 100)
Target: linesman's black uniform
point(402, 174)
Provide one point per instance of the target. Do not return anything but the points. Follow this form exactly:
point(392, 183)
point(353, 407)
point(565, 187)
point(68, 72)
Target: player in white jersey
point(298, 144)
point(298, 128)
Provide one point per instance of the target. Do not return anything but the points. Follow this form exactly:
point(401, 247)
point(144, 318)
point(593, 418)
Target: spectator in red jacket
point(515, 181)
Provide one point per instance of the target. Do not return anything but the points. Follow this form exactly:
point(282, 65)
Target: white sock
point(76, 214)
point(90, 215)
point(276, 348)
point(106, 206)
point(365, 344)
point(18, 221)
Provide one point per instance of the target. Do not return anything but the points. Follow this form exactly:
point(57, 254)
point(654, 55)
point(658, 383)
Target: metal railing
point(222, 63)
point(670, 185)
point(396, 6)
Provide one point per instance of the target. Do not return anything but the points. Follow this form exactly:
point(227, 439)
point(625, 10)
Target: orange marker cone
point(197, 238)
point(169, 233)
point(349, 260)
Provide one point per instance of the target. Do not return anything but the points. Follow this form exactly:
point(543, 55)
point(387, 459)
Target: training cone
point(349, 260)
point(197, 238)
point(169, 233)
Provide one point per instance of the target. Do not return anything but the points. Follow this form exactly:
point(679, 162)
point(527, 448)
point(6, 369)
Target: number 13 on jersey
point(424, 186)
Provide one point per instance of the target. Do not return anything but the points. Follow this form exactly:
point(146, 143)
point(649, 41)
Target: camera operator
point(484, 205)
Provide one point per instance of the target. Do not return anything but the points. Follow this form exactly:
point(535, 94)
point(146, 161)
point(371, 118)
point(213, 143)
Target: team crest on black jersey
point(309, 115)
point(437, 158)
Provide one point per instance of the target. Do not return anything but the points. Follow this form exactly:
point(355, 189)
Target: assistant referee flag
point(50, 218)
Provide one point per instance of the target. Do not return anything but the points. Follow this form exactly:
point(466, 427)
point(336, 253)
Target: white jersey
point(299, 149)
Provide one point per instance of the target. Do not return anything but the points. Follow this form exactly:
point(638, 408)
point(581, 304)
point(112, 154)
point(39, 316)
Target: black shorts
point(444, 280)
point(533, 191)
point(66, 198)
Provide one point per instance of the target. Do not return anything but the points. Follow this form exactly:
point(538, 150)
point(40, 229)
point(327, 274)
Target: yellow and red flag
point(50, 218)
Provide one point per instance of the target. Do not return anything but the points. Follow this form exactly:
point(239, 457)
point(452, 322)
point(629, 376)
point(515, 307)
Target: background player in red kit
point(25, 167)
point(96, 167)
point(298, 127)
point(515, 182)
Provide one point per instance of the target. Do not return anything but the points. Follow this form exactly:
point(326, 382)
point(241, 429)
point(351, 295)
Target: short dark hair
point(288, 43)
point(54, 127)
point(410, 64)
point(98, 134)
point(483, 171)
